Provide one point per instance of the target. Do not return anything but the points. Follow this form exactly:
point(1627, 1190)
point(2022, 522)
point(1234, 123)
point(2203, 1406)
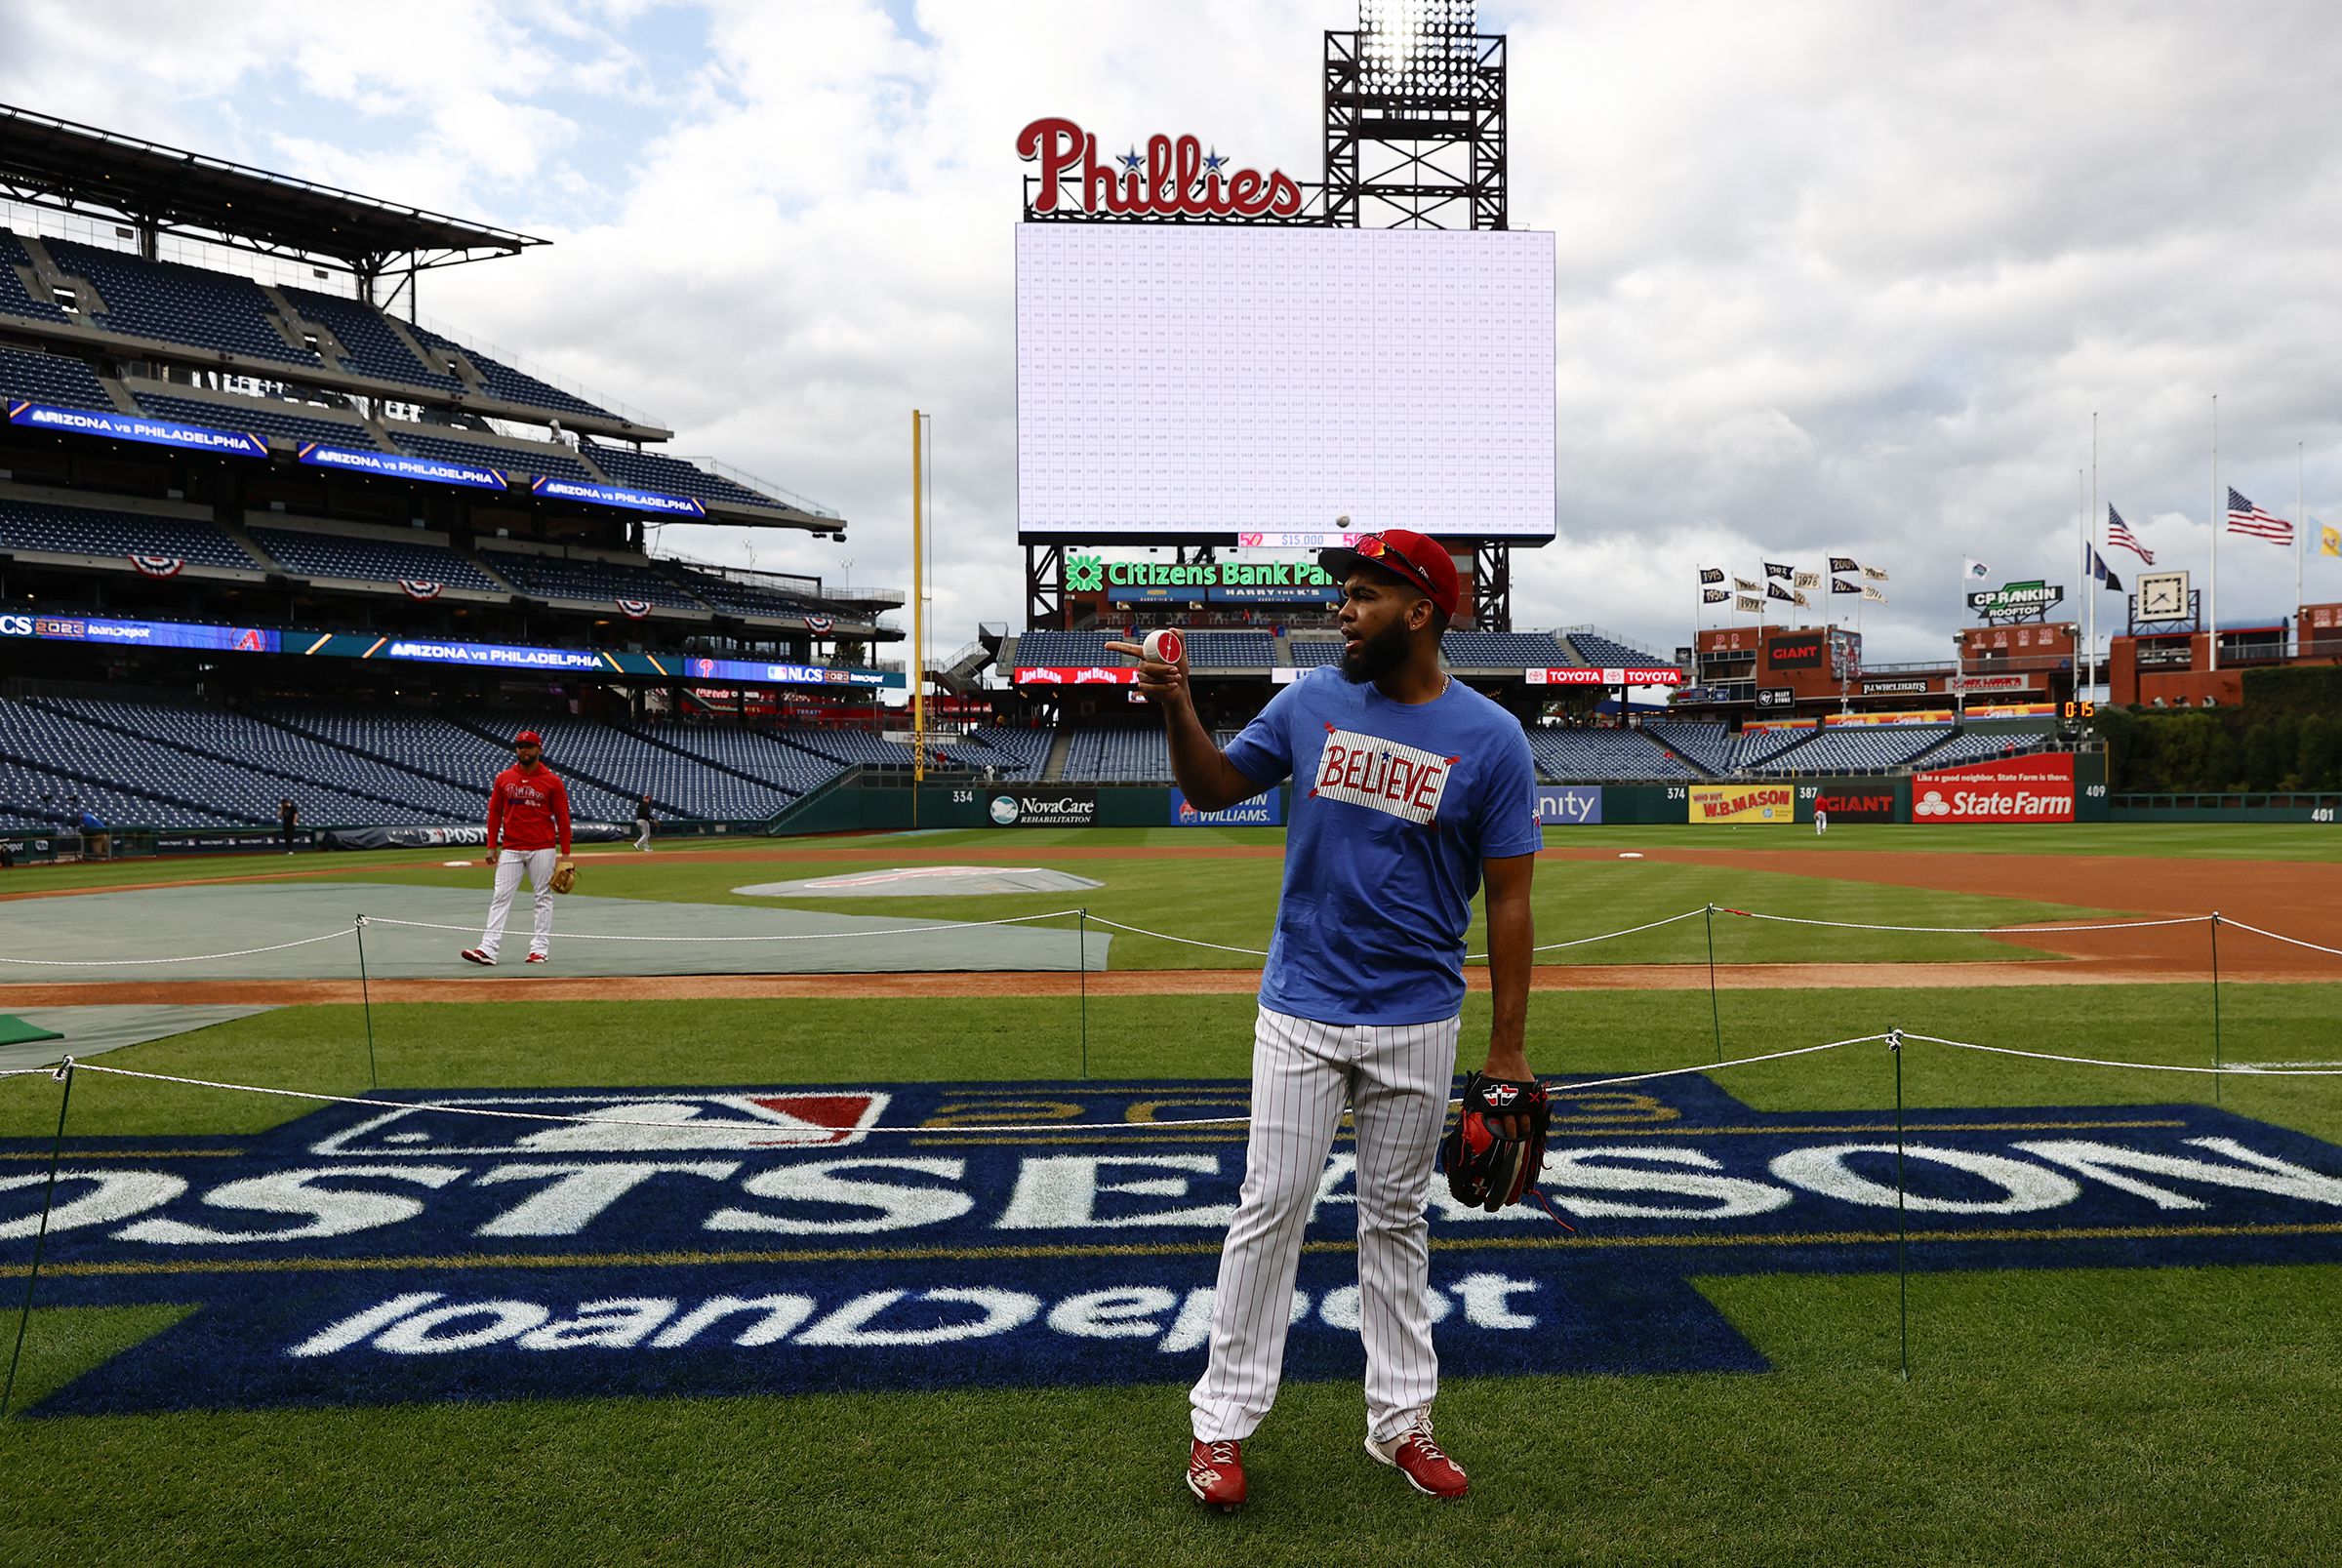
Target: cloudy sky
point(1832, 278)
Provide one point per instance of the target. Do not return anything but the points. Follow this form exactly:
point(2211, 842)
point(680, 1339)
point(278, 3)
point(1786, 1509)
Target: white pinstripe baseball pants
point(1396, 1080)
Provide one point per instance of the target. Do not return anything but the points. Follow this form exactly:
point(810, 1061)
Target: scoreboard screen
point(1216, 379)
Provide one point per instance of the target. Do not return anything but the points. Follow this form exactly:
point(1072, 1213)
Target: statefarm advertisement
point(1735, 804)
point(2016, 789)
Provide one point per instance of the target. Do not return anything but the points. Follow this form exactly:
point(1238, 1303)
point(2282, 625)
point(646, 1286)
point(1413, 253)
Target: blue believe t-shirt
point(1395, 806)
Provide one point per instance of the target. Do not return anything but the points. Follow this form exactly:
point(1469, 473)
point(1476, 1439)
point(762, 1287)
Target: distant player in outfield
point(1409, 789)
point(642, 824)
point(528, 821)
point(1821, 820)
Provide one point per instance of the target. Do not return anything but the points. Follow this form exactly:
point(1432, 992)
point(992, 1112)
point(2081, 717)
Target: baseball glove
point(1486, 1169)
point(565, 877)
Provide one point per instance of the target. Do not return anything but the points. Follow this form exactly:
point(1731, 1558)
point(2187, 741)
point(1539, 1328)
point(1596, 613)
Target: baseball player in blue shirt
point(1409, 790)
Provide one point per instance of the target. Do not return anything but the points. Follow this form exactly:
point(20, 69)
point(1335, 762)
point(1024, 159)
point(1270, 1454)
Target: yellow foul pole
point(919, 613)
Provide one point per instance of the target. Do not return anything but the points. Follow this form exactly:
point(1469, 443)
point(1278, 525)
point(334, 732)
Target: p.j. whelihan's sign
point(1174, 178)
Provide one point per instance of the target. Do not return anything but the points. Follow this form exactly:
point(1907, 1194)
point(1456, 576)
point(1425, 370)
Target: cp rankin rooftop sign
point(1175, 178)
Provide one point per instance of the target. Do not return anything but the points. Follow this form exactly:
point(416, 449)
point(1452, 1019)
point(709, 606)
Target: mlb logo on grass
point(613, 1124)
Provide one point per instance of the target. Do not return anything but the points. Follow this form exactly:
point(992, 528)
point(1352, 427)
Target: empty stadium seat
point(1604, 654)
point(178, 305)
point(1856, 747)
point(783, 768)
point(587, 578)
point(656, 470)
point(1310, 651)
point(1982, 745)
point(1120, 755)
point(1067, 648)
point(14, 299)
point(1575, 756)
point(1015, 753)
point(34, 525)
point(538, 459)
point(503, 383)
point(50, 378)
point(295, 422)
point(607, 767)
point(374, 349)
point(1230, 650)
point(388, 559)
point(1711, 745)
point(1500, 649)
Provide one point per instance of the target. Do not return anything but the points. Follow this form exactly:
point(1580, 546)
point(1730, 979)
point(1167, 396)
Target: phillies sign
point(2017, 789)
point(1174, 178)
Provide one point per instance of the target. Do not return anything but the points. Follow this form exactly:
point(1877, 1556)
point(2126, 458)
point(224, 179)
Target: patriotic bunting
point(634, 608)
point(421, 588)
point(158, 564)
point(819, 626)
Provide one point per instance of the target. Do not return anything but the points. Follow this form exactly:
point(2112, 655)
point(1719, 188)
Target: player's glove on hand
point(565, 877)
point(1486, 1169)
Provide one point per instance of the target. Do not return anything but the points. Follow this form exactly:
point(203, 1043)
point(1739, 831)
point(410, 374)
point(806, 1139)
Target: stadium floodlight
point(1415, 44)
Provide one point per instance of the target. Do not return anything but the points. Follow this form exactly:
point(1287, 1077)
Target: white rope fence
point(1895, 1038)
point(181, 958)
point(1091, 918)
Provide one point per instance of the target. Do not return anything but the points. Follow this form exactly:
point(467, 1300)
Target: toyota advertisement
point(2017, 789)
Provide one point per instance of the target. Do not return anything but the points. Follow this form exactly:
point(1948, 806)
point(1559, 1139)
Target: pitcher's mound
point(925, 881)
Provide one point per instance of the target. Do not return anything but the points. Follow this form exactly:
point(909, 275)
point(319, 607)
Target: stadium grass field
point(2141, 1414)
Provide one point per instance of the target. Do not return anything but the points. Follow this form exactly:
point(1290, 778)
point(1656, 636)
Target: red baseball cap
point(1417, 558)
point(528, 737)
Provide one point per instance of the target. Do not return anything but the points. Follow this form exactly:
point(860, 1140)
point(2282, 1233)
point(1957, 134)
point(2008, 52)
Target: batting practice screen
point(1221, 380)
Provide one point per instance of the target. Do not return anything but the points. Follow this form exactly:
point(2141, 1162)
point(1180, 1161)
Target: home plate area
point(776, 1239)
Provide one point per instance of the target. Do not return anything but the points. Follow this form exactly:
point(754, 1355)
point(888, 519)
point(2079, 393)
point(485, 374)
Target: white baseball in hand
point(1166, 647)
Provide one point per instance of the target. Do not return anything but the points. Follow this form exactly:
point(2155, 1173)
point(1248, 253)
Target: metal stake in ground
point(40, 1236)
point(366, 1004)
point(1082, 963)
point(1894, 1044)
point(2215, 923)
point(1714, 1017)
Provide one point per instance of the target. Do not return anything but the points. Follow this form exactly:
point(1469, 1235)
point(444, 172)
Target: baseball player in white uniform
point(1409, 789)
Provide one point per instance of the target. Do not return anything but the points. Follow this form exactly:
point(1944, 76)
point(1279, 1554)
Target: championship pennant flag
point(1776, 569)
point(1711, 574)
point(1713, 595)
point(2119, 537)
point(1842, 563)
point(1839, 585)
point(1873, 595)
point(1806, 579)
point(2244, 517)
point(1744, 584)
point(1874, 574)
point(1774, 590)
point(1749, 606)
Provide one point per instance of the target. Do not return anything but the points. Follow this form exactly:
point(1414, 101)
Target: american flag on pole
point(2244, 517)
point(2119, 535)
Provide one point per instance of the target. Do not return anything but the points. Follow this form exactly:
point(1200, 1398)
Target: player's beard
point(1371, 659)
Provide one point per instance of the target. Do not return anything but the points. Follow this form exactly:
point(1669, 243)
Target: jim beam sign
point(2016, 601)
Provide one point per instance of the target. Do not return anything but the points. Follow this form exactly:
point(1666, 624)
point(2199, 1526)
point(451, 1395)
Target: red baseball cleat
point(1216, 1474)
point(1428, 1470)
point(474, 955)
point(541, 958)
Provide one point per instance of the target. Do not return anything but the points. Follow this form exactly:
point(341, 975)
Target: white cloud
point(1832, 279)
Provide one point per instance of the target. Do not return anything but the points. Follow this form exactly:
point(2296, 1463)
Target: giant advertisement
point(1735, 805)
point(1567, 805)
point(2017, 789)
point(1185, 378)
point(1056, 806)
point(1264, 810)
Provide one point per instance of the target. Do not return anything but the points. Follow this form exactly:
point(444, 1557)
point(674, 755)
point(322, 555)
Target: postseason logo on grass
point(775, 1240)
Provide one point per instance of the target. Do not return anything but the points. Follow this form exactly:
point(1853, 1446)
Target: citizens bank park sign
point(779, 1239)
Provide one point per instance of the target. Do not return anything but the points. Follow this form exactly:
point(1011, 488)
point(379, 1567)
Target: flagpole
point(2214, 626)
point(2090, 589)
point(2301, 539)
point(2096, 582)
